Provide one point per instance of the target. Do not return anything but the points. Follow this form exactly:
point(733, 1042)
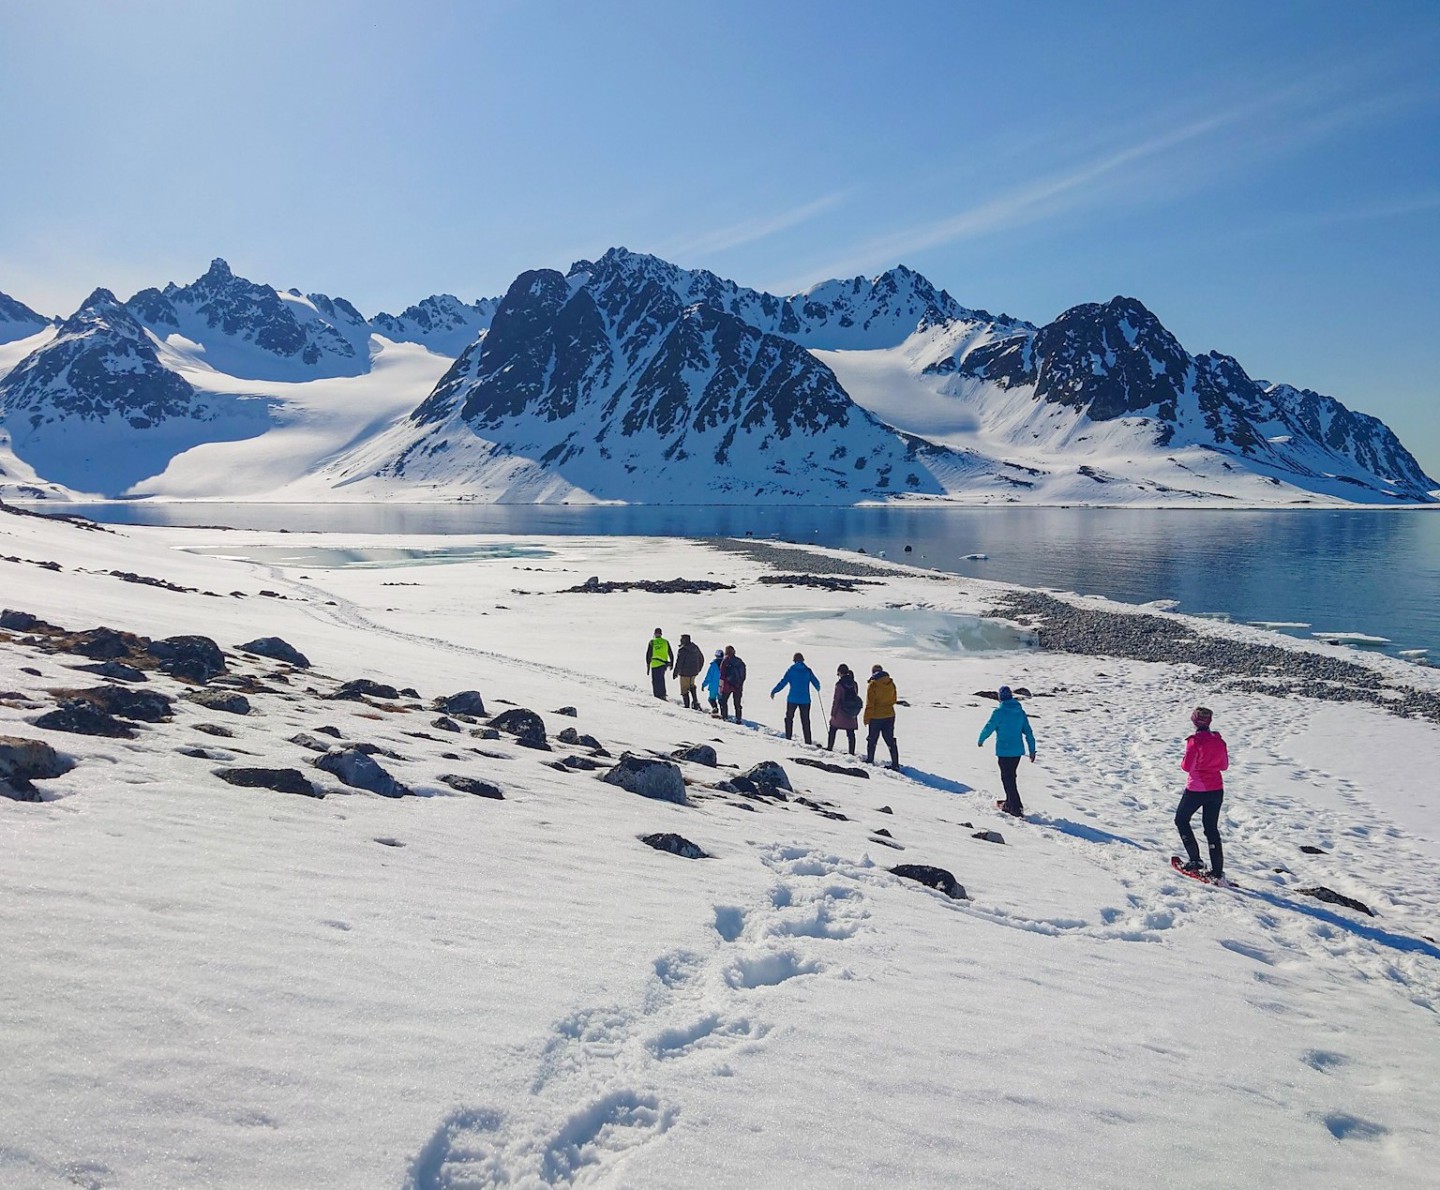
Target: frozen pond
point(315, 557)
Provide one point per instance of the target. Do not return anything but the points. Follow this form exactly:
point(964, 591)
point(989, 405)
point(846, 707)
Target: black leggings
point(1208, 803)
point(849, 735)
point(725, 704)
point(1009, 766)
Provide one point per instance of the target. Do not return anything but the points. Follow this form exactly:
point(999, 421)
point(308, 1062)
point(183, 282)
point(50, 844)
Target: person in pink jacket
point(1206, 757)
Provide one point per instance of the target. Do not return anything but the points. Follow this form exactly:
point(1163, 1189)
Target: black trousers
point(725, 704)
point(1009, 767)
point(1208, 803)
point(804, 709)
point(877, 728)
point(657, 680)
point(849, 734)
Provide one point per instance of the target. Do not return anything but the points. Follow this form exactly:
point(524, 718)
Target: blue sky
point(1266, 177)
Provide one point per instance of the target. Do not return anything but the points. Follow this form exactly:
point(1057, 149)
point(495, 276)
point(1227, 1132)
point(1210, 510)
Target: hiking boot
point(1194, 867)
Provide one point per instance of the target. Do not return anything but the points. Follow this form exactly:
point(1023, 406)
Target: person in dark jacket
point(845, 707)
point(1206, 757)
point(800, 678)
point(880, 697)
point(1010, 725)
point(689, 661)
point(657, 661)
point(732, 682)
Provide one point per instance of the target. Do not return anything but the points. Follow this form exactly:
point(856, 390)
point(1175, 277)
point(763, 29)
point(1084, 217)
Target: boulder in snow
point(675, 845)
point(699, 754)
point(229, 701)
point(466, 702)
point(280, 780)
point(525, 725)
point(769, 776)
point(937, 878)
point(359, 771)
point(23, 761)
point(472, 785)
point(658, 779)
point(277, 650)
point(191, 658)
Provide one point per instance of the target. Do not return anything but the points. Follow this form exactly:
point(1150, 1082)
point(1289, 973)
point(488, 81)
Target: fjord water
point(1334, 571)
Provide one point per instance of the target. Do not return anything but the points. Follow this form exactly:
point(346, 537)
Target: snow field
point(234, 987)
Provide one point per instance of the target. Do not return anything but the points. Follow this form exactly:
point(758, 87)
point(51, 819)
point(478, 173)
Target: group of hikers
point(723, 681)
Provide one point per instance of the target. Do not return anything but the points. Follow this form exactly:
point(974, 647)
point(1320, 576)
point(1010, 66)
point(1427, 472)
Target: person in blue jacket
point(799, 677)
point(1010, 725)
point(711, 681)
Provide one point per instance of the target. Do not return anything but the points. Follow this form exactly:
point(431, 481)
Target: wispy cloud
point(757, 227)
point(1182, 158)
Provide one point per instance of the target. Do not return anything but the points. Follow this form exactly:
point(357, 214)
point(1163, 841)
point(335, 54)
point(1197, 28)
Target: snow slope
point(224, 986)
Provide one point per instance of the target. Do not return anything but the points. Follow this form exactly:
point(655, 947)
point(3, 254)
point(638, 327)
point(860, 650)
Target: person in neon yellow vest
point(657, 661)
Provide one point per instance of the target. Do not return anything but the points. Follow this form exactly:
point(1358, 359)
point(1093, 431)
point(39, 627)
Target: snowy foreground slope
point(216, 986)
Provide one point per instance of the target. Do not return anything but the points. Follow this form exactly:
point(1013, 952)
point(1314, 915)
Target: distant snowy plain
point(212, 986)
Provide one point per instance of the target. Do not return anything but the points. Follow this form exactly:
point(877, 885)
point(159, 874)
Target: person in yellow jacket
point(657, 661)
point(880, 699)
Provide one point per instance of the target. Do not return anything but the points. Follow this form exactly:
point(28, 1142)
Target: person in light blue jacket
point(799, 677)
point(711, 681)
point(1010, 725)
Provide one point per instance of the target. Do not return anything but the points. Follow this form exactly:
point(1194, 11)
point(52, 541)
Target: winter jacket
point(840, 718)
point(799, 677)
point(1011, 726)
point(1206, 757)
point(711, 681)
point(732, 675)
point(657, 652)
point(689, 661)
point(880, 697)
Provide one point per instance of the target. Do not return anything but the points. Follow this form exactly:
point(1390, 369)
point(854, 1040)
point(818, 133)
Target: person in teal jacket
point(711, 681)
point(1010, 726)
point(799, 677)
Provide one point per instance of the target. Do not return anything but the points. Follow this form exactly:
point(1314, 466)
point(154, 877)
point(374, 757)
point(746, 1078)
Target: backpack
point(851, 702)
point(736, 671)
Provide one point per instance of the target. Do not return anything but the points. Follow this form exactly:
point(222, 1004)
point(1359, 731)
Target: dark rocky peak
point(336, 309)
point(102, 311)
point(18, 321)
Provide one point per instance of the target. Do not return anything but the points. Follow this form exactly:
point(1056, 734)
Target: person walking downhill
point(1011, 727)
point(711, 681)
point(689, 661)
point(732, 682)
point(657, 661)
point(1206, 757)
point(880, 696)
point(845, 707)
point(800, 678)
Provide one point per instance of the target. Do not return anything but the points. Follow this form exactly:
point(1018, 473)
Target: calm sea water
point(1357, 571)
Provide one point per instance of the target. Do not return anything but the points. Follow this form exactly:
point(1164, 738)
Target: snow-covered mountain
point(631, 378)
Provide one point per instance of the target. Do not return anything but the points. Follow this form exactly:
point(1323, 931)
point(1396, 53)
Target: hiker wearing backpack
point(800, 678)
point(1010, 725)
point(845, 707)
point(732, 682)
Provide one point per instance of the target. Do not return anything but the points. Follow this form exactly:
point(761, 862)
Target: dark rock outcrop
point(675, 845)
point(989, 836)
point(937, 878)
point(465, 702)
point(115, 670)
point(360, 689)
point(277, 650)
point(658, 779)
point(280, 780)
point(699, 754)
point(769, 776)
point(229, 701)
point(190, 658)
point(1331, 897)
point(148, 706)
point(25, 760)
point(525, 725)
point(359, 771)
point(844, 770)
point(79, 717)
point(472, 785)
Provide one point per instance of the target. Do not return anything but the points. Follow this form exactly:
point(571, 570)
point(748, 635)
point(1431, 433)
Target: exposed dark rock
point(356, 769)
point(201, 753)
point(571, 712)
point(821, 810)
point(1331, 897)
point(989, 836)
point(843, 769)
point(1310, 849)
point(673, 586)
point(466, 702)
point(228, 701)
point(31, 670)
point(567, 735)
point(825, 582)
point(215, 729)
point(79, 717)
point(675, 845)
point(886, 841)
point(472, 785)
point(409, 692)
point(192, 658)
point(525, 725)
point(310, 742)
point(330, 731)
point(884, 810)
point(17, 621)
point(657, 779)
point(361, 688)
point(445, 723)
point(768, 775)
point(280, 780)
point(580, 762)
point(116, 670)
point(277, 650)
point(100, 643)
point(25, 760)
point(699, 754)
point(937, 878)
point(149, 706)
point(485, 733)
